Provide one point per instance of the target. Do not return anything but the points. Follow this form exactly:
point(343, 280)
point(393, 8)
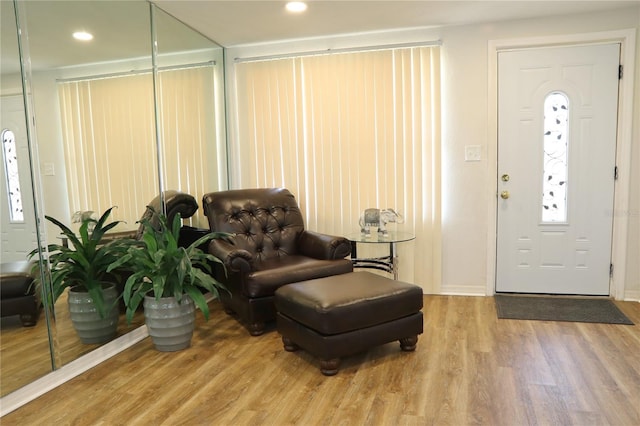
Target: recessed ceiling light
point(296, 6)
point(83, 36)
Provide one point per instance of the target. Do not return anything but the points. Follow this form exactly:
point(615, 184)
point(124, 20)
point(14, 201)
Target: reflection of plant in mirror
point(161, 268)
point(83, 262)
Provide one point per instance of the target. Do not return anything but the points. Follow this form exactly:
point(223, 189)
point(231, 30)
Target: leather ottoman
point(18, 294)
point(341, 315)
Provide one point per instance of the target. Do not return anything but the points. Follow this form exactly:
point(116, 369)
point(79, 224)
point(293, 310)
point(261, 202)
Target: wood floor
point(24, 351)
point(469, 369)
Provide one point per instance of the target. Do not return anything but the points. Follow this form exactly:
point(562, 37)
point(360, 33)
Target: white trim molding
point(627, 40)
point(460, 290)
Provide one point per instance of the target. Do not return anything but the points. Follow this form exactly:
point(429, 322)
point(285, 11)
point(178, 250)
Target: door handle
point(504, 195)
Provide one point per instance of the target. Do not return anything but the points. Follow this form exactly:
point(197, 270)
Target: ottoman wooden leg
point(408, 344)
point(289, 346)
point(330, 367)
point(28, 320)
point(256, 328)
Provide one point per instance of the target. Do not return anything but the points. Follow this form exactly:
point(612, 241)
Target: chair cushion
point(16, 279)
point(348, 302)
point(271, 274)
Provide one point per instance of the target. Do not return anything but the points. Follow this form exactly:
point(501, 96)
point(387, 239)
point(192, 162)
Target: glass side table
point(386, 263)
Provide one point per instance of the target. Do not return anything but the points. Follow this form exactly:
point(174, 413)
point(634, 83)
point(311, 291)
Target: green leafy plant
point(83, 262)
point(162, 268)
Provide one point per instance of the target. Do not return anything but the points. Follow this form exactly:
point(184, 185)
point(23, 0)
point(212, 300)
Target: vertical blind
point(188, 129)
point(345, 132)
point(108, 128)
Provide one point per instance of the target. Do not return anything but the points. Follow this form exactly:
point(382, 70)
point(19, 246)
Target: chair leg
point(30, 317)
point(329, 367)
point(408, 344)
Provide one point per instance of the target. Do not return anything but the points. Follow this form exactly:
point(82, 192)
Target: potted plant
point(81, 265)
point(169, 280)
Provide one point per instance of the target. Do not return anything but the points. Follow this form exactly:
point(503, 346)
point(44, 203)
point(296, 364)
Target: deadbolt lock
point(505, 177)
point(504, 195)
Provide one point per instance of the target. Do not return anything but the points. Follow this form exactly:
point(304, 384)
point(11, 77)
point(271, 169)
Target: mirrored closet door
point(115, 120)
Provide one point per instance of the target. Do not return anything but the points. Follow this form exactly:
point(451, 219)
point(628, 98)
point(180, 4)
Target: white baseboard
point(462, 290)
point(632, 296)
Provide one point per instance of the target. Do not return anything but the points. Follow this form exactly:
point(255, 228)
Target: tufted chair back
point(265, 222)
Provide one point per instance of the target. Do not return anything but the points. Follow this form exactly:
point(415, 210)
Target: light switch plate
point(48, 169)
point(472, 153)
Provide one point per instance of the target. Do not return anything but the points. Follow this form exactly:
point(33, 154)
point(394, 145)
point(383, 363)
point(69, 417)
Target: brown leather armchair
point(269, 248)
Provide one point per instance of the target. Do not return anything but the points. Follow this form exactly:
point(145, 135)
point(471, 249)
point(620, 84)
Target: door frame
point(626, 38)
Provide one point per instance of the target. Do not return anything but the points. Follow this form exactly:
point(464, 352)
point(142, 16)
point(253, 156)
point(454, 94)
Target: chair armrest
point(322, 246)
point(234, 259)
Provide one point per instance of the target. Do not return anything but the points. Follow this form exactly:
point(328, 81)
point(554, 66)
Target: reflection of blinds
point(345, 132)
point(187, 126)
point(109, 139)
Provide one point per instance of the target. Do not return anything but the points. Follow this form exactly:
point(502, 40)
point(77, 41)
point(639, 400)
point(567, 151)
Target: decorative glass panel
point(13, 178)
point(556, 142)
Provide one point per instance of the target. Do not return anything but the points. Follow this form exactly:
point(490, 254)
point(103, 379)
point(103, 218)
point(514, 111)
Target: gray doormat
point(559, 309)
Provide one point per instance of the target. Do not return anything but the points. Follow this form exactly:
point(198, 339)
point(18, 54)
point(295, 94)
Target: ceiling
point(122, 30)
point(232, 23)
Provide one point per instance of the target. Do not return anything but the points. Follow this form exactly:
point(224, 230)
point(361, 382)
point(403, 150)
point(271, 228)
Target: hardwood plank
point(469, 368)
point(24, 351)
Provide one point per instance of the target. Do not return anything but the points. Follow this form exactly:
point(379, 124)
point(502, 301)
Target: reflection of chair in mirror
point(269, 248)
point(18, 292)
point(175, 202)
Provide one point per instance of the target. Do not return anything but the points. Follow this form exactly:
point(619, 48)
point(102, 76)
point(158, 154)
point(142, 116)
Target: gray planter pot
point(89, 325)
point(170, 323)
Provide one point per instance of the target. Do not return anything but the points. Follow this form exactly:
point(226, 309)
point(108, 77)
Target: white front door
point(18, 227)
point(557, 115)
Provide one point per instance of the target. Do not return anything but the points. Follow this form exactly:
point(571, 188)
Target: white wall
point(467, 186)
point(465, 215)
point(10, 84)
